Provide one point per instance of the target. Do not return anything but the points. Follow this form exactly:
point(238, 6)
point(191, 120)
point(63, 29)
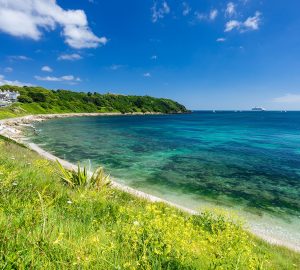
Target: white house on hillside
point(8, 97)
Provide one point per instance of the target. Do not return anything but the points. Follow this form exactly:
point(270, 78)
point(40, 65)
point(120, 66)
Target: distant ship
point(258, 109)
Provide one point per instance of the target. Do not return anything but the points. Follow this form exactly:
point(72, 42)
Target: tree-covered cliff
point(41, 100)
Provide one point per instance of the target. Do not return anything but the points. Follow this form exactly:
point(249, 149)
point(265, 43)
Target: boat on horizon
point(258, 109)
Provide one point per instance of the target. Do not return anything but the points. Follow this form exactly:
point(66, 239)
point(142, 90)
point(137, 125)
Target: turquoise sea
point(246, 161)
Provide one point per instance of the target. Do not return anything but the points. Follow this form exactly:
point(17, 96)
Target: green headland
point(38, 100)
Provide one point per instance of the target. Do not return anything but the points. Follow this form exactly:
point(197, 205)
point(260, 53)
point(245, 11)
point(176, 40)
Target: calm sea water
point(244, 160)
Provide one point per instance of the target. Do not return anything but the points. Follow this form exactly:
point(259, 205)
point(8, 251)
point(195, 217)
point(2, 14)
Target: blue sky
point(205, 54)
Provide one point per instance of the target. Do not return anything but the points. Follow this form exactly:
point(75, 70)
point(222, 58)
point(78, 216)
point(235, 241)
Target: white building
point(8, 97)
point(13, 96)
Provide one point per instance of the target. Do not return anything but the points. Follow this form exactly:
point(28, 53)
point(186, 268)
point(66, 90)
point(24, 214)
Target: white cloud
point(230, 9)
point(8, 69)
point(221, 39)
point(154, 57)
point(18, 57)
point(159, 11)
point(186, 9)
point(66, 78)
point(211, 16)
point(30, 18)
point(288, 98)
point(250, 24)
point(46, 69)
point(70, 57)
point(147, 74)
point(232, 25)
point(82, 37)
point(3, 81)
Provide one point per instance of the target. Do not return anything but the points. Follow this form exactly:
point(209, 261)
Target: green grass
point(20, 109)
point(12, 111)
point(46, 224)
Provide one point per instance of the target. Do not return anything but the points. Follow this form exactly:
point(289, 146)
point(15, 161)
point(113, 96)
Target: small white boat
point(258, 109)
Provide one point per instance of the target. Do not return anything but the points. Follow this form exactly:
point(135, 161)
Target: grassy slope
point(20, 109)
point(47, 225)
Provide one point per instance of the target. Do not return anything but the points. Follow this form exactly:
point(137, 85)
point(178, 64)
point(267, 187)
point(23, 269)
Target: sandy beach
point(12, 128)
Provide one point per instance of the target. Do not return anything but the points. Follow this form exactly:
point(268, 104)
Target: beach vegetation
point(82, 178)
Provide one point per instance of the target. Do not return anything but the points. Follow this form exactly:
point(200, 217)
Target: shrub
point(24, 99)
point(81, 178)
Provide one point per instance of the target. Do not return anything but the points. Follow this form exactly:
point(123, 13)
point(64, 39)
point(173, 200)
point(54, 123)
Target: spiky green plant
point(99, 179)
point(81, 178)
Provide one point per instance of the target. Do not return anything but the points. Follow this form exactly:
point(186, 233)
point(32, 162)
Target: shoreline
point(41, 117)
point(12, 129)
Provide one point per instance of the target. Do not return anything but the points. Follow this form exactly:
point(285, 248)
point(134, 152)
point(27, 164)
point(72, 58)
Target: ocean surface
point(245, 161)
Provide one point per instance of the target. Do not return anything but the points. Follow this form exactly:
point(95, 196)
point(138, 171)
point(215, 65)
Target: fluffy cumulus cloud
point(250, 24)
point(232, 25)
point(66, 78)
point(230, 9)
point(29, 18)
point(288, 98)
point(46, 69)
point(4, 81)
point(70, 57)
point(160, 10)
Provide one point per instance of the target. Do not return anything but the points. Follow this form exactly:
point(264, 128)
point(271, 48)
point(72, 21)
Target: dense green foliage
point(47, 224)
point(41, 100)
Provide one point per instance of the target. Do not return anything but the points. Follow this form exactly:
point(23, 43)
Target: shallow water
point(248, 161)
